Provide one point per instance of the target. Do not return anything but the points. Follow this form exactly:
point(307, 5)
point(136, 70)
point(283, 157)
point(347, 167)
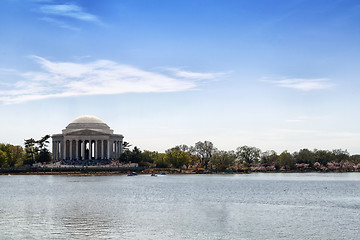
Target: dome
point(87, 123)
point(88, 119)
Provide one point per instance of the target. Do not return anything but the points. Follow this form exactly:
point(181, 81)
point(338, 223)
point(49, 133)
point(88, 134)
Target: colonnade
point(80, 149)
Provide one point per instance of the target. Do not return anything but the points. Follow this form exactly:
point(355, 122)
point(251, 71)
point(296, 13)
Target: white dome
point(88, 119)
point(88, 123)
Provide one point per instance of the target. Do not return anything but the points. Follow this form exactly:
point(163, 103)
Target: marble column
point(77, 149)
point(56, 150)
point(60, 150)
point(119, 149)
point(71, 150)
point(115, 150)
point(108, 149)
point(102, 149)
point(95, 149)
point(83, 149)
point(64, 150)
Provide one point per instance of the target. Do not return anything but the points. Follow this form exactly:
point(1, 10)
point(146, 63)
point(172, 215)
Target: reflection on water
point(256, 206)
point(82, 223)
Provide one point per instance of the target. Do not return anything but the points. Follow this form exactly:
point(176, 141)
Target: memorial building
point(87, 141)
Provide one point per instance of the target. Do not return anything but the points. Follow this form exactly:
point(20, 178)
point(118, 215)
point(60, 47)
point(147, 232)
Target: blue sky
point(281, 75)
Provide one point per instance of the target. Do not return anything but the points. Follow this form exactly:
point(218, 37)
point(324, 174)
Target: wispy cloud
point(299, 119)
point(68, 10)
point(303, 84)
point(194, 75)
point(102, 77)
point(62, 14)
point(59, 23)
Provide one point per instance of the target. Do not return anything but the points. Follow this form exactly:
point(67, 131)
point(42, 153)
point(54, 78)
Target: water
point(255, 206)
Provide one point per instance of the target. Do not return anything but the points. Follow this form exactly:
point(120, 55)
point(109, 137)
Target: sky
point(277, 75)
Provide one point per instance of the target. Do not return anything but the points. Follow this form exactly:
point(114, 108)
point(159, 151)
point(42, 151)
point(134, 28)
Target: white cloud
point(68, 10)
point(61, 14)
point(102, 77)
point(193, 75)
point(303, 84)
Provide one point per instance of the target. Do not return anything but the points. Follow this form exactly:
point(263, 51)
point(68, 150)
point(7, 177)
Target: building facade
point(86, 139)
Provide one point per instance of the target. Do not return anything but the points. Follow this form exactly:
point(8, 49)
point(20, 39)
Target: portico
point(86, 138)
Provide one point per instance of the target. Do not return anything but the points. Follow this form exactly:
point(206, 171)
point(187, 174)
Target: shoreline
point(109, 171)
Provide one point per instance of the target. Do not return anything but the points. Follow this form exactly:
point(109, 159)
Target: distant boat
point(153, 175)
point(163, 173)
point(132, 174)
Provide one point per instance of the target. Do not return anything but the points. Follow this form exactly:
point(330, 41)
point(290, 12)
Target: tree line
point(202, 155)
point(16, 156)
point(243, 159)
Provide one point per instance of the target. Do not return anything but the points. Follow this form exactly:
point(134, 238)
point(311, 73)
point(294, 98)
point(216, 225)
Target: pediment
point(86, 132)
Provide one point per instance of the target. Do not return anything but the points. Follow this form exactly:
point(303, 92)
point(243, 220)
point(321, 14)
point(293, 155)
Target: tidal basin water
point(254, 206)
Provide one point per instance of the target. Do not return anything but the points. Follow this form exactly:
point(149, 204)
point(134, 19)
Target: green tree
point(204, 151)
point(125, 156)
point(31, 151)
point(148, 156)
point(15, 157)
point(269, 157)
point(6, 148)
point(355, 158)
point(323, 156)
point(194, 160)
point(340, 155)
point(44, 154)
point(177, 158)
point(248, 154)
point(287, 161)
point(305, 156)
point(182, 147)
point(43, 142)
point(3, 159)
point(223, 159)
point(126, 146)
point(161, 160)
point(134, 156)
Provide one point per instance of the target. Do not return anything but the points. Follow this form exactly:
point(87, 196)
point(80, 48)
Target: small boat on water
point(132, 174)
point(153, 175)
